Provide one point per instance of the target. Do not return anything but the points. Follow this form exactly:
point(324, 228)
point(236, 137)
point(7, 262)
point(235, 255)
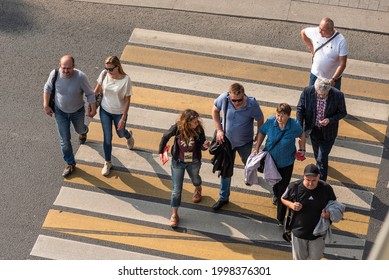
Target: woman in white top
point(115, 85)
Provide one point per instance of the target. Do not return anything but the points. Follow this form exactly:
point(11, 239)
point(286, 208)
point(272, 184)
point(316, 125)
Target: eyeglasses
point(110, 69)
point(237, 100)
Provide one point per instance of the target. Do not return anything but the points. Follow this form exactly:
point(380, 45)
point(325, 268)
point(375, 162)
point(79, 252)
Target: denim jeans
point(178, 171)
point(321, 150)
point(312, 79)
point(225, 183)
point(106, 121)
point(63, 121)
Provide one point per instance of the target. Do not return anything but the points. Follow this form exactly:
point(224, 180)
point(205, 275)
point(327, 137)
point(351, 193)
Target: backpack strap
point(52, 94)
point(54, 80)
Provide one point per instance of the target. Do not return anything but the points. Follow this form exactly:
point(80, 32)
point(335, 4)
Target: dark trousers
point(279, 189)
point(321, 150)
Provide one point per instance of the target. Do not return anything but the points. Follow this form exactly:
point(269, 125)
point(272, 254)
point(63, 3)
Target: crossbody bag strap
point(225, 115)
point(322, 45)
point(278, 140)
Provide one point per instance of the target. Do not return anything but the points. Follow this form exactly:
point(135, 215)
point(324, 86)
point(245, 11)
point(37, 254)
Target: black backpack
point(52, 94)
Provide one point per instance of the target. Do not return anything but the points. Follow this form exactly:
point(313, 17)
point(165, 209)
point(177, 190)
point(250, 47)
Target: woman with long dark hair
point(189, 141)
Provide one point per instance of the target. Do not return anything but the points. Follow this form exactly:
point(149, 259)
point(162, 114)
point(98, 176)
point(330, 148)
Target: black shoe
point(82, 138)
point(219, 204)
point(274, 199)
point(280, 223)
point(68, 170)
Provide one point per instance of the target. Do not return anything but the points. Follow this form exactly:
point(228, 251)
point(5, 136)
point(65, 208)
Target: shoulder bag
point(99, 96)
point(289, 220)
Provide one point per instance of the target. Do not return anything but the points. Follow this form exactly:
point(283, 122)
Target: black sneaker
point(219, 204)
point(82, 138)
point(68, 170)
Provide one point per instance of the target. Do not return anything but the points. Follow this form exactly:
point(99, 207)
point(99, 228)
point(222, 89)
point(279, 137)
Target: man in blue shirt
point(239, 129)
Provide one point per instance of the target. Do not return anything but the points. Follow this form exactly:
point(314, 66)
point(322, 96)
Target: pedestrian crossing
point(125, 215)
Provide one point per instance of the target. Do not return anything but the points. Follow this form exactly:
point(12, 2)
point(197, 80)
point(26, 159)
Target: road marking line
point(55, 248)
point(263, 93)
point(155, 239)
point(153, 119)
point(244, 70)
point(249, 51)
point(338, 171)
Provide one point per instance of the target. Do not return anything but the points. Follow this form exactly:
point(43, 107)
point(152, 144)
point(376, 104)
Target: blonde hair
point(114, 60)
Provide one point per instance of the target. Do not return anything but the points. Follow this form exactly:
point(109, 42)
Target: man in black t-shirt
point(308, 199)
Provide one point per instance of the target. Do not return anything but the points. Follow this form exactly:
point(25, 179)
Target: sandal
point(197, 195)
point(173, 221)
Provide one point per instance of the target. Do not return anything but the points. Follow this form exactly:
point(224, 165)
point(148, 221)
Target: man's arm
point(218, 125)
point(339, 71)
point(46, 107)
point(307, 41)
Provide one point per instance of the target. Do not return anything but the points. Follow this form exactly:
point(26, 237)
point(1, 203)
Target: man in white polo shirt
point(329, 49)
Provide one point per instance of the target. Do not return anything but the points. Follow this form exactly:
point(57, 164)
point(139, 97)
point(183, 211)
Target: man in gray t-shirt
point(70, 86)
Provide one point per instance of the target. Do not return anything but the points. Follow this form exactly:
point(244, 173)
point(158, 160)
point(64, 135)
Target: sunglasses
point(237, 100)
point(110, 69)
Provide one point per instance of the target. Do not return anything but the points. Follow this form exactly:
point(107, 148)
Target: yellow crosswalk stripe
point(243, 70)
point(161, 189)
point(363, 130)
point(156, 239)
point(339, 171)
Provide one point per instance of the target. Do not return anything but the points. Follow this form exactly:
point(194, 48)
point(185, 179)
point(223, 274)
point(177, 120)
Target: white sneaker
point(107, 168)
point(131, 141)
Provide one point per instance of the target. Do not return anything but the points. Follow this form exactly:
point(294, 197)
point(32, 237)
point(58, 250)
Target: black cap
point(311, 170)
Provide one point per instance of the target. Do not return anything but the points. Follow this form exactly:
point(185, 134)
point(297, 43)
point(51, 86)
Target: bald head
point(326, 27)
point(67, 66)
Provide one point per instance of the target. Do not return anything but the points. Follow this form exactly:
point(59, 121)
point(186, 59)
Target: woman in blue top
point(281, 132)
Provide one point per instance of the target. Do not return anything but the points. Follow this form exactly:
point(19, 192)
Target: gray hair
point(322, 85)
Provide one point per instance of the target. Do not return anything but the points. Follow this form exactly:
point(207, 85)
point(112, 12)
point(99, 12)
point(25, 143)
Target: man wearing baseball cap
point(307, 198)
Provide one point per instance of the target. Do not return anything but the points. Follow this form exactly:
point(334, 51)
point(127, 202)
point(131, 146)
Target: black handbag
point(262, 161)
point(287, 235)
point(289, 220)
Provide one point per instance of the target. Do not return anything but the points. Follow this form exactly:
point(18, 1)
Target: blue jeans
point(312, 79)
point(63, 121)
point(178, 171)
point(106, 121)
point(225, 183)
point(321, 150)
